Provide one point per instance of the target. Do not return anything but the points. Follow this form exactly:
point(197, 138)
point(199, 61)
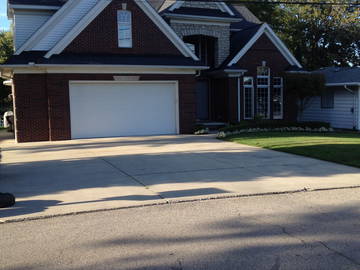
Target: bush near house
point(272, 124)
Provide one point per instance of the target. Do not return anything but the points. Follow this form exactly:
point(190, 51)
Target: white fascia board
point(202, 18)
point(104, 69)
point(343, 84)
point(36, 7)
point(176, 5)
point(166, 29)
point(265, 28)
point(221, 5)
point(225, 7)
point(81, 25)
point(43, 30)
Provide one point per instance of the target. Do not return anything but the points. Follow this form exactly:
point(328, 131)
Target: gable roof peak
point(171, 5)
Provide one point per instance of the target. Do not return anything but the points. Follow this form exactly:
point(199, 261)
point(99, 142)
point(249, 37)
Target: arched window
point(124, 29)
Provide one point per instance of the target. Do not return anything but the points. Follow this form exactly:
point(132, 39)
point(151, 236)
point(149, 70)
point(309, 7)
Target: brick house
point(103, 68)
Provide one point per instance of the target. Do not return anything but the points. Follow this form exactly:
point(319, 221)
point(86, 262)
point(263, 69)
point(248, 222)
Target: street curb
point(174, 201)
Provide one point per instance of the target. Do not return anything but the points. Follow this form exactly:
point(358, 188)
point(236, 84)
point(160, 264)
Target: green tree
point(318, 35)
point(6, 50)
point(304, 86)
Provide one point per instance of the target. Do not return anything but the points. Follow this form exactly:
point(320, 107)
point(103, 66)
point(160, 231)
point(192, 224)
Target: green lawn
point(341, 148)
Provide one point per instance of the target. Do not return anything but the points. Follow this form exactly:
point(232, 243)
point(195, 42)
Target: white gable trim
point(79, 27)
point(36, 7)
point(176, 5)
point(147, 9)
point(265, 28)
point(43, 30)
point(221, 5)
point(225, 8)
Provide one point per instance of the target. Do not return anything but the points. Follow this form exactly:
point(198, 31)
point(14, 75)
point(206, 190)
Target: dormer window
point(124, 29)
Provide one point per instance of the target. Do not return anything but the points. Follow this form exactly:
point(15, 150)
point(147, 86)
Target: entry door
point(202, 97)
point(111, 109)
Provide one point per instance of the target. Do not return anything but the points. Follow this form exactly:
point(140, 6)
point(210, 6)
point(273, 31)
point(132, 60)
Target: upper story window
point(124, 28)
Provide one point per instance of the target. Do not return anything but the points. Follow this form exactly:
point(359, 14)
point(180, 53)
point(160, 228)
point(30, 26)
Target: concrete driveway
point(52, 178)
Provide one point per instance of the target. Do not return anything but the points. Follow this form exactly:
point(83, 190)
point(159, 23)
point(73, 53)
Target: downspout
point(354, 105)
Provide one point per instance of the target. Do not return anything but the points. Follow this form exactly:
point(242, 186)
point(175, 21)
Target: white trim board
point(266, 29)
point(104, 69)
point(343, 84)
point(34, 7)
point(221, 5)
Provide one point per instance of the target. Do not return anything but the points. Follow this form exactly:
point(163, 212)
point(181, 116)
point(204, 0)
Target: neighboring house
point(339, 105)
point(101, 68)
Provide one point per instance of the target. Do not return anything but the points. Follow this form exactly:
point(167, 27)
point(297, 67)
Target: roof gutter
point(344, 84)
point(32, 65)
point(36, 7)
point(11, 7)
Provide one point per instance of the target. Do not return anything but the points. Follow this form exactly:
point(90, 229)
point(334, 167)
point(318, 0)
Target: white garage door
point(110, 109)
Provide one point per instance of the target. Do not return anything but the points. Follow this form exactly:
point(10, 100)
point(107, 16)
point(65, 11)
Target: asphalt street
point(307, 230)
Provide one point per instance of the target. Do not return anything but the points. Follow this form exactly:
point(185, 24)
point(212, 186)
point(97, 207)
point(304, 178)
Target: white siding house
point(340, 105)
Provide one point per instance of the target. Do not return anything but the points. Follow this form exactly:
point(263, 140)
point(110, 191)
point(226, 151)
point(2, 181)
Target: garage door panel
point(122, 109)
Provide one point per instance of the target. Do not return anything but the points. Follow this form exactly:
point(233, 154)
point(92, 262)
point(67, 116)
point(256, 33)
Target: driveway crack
point(339, 253)
point(321, 243)
point(130, 176)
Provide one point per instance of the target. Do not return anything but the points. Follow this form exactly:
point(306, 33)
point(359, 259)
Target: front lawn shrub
point(201, 129)
point(273, 125)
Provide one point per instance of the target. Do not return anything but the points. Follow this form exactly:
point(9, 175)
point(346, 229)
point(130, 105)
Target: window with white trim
point(124, 29)
point(263, 92)
point(278, 97)
point(248, 97)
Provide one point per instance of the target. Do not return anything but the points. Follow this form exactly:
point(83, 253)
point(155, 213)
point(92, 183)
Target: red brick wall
point(265, 50)
point(233, 99)
point(101, 36)
point(30, 94)
point(43, 106)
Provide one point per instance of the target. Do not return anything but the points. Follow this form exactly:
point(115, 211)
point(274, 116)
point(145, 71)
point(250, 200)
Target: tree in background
point(6, 50)
point(304, 86)
point(318, 35)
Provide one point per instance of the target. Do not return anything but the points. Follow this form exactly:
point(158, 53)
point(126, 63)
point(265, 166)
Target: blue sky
point(4, 23)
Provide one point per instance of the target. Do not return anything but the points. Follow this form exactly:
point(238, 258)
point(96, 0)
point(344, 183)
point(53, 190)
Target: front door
point(202, 98)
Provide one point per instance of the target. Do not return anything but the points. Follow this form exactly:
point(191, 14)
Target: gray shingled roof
point(341, 75)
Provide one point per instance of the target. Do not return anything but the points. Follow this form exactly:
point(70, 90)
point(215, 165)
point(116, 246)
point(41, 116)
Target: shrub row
point(274, 124)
